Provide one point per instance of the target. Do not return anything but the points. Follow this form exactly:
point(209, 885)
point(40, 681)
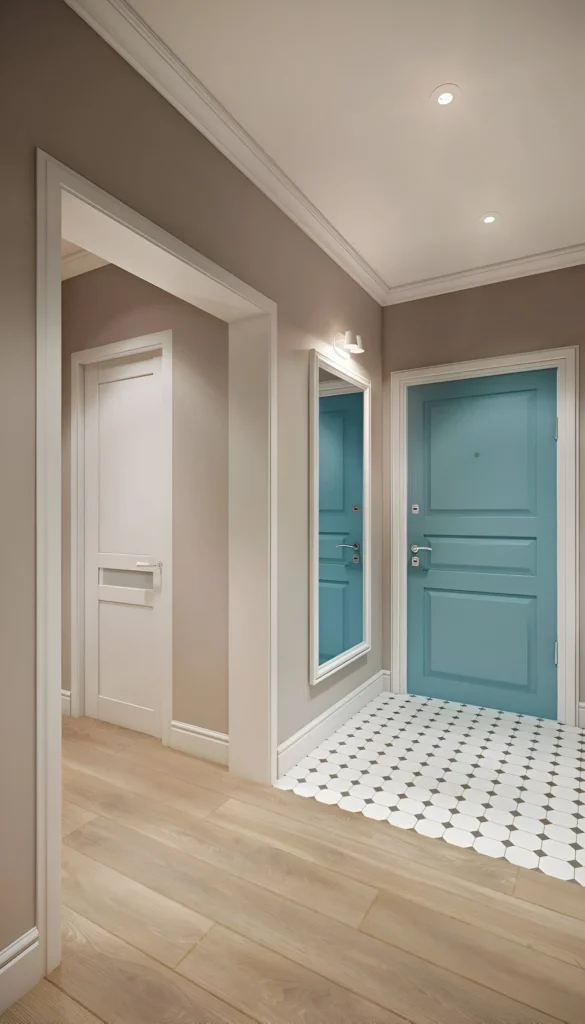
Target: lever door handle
point(354, 547)
point(415, 548)
point(149, 565)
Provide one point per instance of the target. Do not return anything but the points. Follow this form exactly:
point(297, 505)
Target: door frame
point(565, 361)
point(151, 344)
point(252, 323)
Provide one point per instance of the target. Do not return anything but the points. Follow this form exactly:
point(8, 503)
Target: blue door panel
point(340, 522)
point(495, 638)
point(482, 604)
point(503, 478)
point(516, 555)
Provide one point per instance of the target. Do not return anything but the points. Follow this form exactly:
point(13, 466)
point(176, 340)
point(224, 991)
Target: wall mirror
point(339, 516)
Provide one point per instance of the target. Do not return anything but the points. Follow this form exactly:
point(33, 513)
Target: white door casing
point(125, 513)
point(70, 205)
point(565, 361)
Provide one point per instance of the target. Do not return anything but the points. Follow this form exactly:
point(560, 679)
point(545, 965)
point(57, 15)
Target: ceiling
point(332, 99)
point(75, 260)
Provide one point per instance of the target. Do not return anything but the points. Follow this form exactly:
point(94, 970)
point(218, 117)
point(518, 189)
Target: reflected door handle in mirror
point(415, 548)
point(354, 547)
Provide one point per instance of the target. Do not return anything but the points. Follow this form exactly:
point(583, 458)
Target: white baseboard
point(205, 743)
point(65, 702)
point(128, 716)
point(386, 681)
point(21, 968)
point(581, 718)
point(310, 736)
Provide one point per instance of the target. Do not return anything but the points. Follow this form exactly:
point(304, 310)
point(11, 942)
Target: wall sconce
point(348, 344)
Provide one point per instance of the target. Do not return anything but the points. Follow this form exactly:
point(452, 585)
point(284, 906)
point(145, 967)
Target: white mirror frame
point(319, 672)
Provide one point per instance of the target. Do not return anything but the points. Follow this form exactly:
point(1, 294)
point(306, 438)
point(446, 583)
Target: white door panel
point(125, 510)
point(129, 513)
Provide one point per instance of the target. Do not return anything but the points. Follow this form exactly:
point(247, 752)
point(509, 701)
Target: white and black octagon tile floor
point(506, 785)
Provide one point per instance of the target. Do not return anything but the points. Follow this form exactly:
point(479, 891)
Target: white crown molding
point(128, 34)
point(75, 263)
point(507, 270)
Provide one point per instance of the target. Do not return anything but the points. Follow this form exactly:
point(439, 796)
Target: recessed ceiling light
point(445, 94)
point(490, 218)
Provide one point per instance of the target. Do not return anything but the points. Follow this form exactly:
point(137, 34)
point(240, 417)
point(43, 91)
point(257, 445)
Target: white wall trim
point(581, 718)
point(65, 702)
point(20, 968)
point(76, 263)
point(135, 41)
point(252, 488)
point(319, 672)
point(292, 750)
point(492, 273)
point(161, 342)
point(565, 361)
point(56, 183)
point(199, 742)
point(14, 950)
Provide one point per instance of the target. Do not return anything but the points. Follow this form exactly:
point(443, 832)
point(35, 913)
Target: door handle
point(355, 546)
point(149, 565)
point(415, 548)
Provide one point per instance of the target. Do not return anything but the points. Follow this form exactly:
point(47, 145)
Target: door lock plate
point(415, 561)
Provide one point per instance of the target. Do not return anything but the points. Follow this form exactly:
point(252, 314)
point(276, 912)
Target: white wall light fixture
point(348, 344)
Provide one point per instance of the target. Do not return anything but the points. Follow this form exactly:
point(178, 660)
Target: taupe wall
point(109, 305)
point(64, 90)
point(543, 311)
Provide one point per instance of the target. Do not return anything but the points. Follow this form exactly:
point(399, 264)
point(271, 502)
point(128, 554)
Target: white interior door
point(126, 513)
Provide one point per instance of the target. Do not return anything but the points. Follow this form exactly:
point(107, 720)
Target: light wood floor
point(192, 897)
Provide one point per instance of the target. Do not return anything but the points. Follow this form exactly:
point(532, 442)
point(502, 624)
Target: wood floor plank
point(98, 734)
point(158, 926)
point(270, 987)
point(46, 1004)
point(507, 967)
point(136, 778)
point(73, 817)
point(123, 986)
point(245, 855)
point(534, 927)
point(564, 897)
point(492, 873)
point(388, 976)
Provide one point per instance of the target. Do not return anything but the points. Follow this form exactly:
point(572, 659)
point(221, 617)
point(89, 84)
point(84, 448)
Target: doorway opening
point(124, 420)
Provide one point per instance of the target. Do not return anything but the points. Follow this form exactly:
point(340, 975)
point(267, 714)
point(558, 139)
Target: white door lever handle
point(149, 565)
point(415, 548)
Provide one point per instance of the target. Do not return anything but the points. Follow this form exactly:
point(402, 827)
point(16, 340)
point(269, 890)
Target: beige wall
point(543, 311)
point(64, 90)
point(110, 305)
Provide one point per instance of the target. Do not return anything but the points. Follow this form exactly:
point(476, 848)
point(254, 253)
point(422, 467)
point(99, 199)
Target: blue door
point(482, 604)
point(341, 447)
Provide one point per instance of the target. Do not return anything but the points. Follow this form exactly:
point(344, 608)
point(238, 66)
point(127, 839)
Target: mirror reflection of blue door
point(341, 444)
point(482, 603)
